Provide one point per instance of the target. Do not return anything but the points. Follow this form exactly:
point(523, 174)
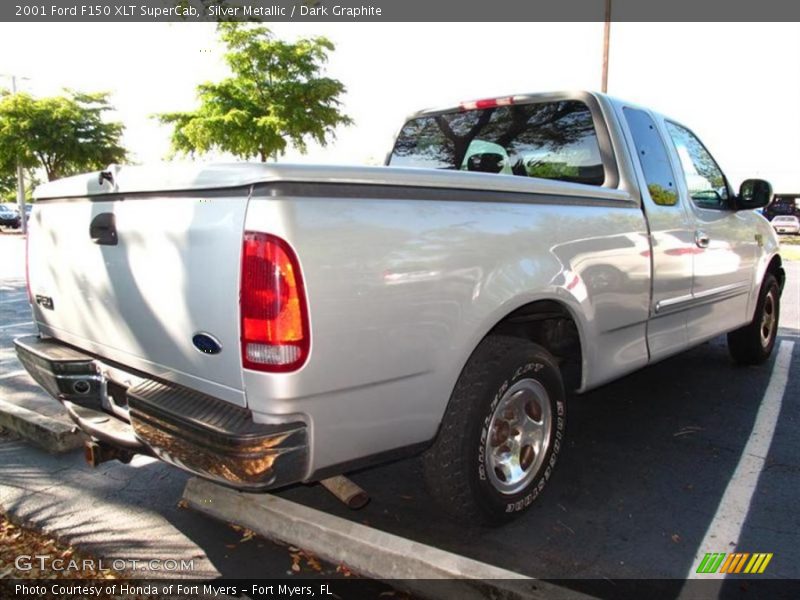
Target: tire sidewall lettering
point(529, 369)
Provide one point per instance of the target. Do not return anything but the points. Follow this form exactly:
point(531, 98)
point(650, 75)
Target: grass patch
point(790, 252)
point(789, 240)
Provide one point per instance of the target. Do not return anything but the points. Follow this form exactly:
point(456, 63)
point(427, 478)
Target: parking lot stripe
point(12, 374)
point(12, 325)
point(725, 529)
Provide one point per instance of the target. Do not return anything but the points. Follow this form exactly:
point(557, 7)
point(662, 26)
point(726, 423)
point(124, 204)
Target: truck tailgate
point(138, 294)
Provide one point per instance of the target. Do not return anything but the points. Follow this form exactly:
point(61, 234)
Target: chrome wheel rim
point(518, 436)
point(769, 320)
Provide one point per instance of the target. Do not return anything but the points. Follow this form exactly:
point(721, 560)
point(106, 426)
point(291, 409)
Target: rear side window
point(551, 140)
point(704, 178)
point(653, 157)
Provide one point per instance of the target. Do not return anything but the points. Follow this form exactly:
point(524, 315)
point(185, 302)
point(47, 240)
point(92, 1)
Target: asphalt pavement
point(648, 463)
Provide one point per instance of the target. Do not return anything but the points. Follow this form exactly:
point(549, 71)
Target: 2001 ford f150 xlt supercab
point(261, 325)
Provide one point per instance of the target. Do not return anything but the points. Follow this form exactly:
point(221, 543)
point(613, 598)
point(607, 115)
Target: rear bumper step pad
point(191, 430)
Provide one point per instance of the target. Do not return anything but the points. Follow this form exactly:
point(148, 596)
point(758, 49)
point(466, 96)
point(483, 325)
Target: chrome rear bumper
point(191, 430)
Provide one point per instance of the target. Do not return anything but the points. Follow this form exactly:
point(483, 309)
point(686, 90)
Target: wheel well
point(549, 324)
point(775, 267)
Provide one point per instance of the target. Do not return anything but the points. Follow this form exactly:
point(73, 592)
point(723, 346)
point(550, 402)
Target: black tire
point(503, 371)
point(753, 343)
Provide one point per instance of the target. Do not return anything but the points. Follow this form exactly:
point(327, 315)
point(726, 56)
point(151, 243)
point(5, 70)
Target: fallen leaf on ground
point(313, 562)
point(248, 535)
point(16, 541)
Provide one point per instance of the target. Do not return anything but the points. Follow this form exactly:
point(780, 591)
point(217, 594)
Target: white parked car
point(786, 224)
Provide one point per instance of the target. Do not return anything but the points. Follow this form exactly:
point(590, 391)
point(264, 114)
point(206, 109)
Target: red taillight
point(275, 333)
point(487, 103)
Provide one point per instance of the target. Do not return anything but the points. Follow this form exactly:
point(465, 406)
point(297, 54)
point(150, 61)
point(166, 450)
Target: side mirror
point(753, 193)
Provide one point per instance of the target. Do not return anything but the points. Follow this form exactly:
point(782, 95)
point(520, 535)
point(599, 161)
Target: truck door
point(725, 244)
point(671, 236)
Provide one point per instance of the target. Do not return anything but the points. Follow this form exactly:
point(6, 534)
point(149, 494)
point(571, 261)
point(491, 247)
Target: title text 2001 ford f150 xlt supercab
point(261, 325)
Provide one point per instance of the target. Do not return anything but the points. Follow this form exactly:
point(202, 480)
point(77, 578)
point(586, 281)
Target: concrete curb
point(404, 563)
point(50, 434)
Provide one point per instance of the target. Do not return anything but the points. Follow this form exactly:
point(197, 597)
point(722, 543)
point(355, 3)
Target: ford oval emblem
point(207, 344)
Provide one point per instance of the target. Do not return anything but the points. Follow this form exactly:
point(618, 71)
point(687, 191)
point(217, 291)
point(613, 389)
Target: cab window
point(550, 140)
point(704, 179)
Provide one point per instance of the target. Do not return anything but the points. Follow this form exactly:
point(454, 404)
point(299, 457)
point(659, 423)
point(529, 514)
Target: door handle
point(701, 239)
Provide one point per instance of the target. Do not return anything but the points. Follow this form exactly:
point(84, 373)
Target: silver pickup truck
point(262, 325)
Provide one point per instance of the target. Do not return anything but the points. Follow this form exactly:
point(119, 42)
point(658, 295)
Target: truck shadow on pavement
point(647, 462)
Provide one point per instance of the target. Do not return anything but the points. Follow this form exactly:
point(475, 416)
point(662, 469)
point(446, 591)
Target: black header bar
point(374, 11)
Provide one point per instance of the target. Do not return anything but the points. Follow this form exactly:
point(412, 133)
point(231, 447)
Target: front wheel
point(753, 343)
point(501, 434)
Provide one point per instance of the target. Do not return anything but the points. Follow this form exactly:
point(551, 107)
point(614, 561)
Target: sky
point(737, 85)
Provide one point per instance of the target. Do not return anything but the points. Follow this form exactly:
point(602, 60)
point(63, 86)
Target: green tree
point(277, 95)
point(8, 185)
point(64, 134)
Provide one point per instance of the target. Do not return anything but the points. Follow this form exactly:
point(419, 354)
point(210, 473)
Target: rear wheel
point(502, 432)
point(753, 343)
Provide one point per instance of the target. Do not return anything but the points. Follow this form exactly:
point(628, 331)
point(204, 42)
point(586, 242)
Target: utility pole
point(20, 181)
point(606, 36)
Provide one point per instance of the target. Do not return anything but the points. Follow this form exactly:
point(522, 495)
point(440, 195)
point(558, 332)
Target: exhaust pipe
point(96, 452)
point(346, 491)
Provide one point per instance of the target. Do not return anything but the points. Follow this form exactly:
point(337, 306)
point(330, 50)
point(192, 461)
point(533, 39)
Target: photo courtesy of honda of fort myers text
point(414, 300)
